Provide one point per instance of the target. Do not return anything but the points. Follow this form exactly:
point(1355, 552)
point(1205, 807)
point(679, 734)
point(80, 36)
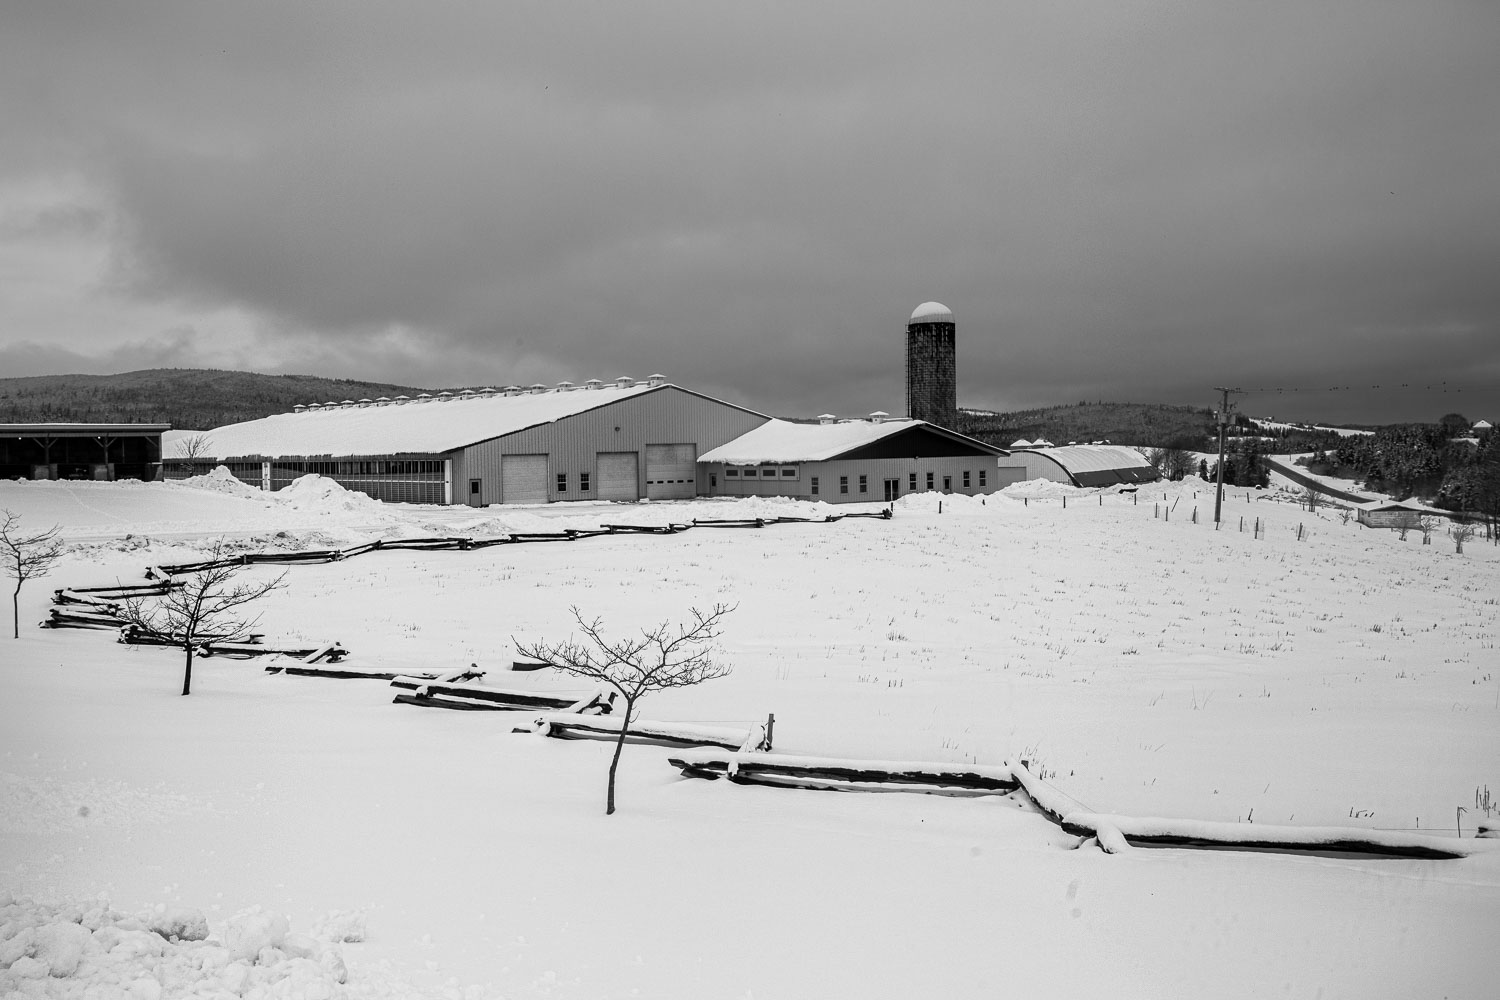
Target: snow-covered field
point(1151, 666)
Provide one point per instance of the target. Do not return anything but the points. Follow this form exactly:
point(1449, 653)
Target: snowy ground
point(1153, 666)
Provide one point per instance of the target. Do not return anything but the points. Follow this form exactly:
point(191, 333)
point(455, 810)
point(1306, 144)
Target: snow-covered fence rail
point(843, 774)
point(571, 726)
point(1117, 833)
point(452, 692)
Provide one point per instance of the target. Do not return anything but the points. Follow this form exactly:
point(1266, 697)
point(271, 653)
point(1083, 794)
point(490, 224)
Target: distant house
point(1395, 513)
point(849, 461)
point(1483, 425)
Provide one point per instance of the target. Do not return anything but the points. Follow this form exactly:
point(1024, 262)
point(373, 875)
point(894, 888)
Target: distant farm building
point(1084, 465)
point(1395, 513)
point(80, 451)
point(621, 440)
point(849, 461)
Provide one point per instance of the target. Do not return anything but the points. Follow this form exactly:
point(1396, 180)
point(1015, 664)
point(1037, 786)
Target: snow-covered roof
point(932, 312)
point(1020, 443)
point(1413, 505)
point(422, 426)
point(1077, 458)
point(1483, 425)
point(784, 441)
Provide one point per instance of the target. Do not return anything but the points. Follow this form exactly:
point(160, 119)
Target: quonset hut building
point(624, 440)
point(1084, 465)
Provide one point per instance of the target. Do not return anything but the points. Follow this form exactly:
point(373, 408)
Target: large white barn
point(621, 440)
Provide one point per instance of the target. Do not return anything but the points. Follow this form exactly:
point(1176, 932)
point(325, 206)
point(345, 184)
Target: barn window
point(789, 473)
point(814, 485)
point(929, 480)
point(843, 484)
point(583, 482)
point(966, 479)
point(731, 473)
point(562, 482)
point(864, 484)
point(912, 483)
point(981, 477)
point(749, 473)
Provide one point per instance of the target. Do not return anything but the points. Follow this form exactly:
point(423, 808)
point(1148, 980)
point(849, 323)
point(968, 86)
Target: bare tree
point(206, 607)
point(189, 450)
point(1427, 524)
point(26, 556)
point(1461, 532)
point(666, 656)
point(1312, 498)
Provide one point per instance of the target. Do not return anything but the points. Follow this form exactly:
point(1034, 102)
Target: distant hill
point(186, 398)
point(1154, 425)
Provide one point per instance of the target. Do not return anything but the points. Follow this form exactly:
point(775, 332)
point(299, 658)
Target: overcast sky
point(1119, 201)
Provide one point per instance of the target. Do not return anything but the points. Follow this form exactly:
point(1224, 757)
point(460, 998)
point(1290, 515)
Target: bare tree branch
point(202, 609)
point(25, 557)
point(666, 656)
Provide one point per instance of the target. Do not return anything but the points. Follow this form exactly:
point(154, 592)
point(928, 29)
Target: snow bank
point(221, 480)
point(71, 950)
point(321, 493)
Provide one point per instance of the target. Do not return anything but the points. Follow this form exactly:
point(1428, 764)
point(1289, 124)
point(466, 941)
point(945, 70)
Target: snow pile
point(313, 491)
point(221, 480)
point(951, 503)
point(1044, 489)
point(50, 950)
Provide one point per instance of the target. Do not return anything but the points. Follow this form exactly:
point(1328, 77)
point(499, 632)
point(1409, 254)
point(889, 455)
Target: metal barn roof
point(784, 441)
point(1098, 465)
point(779, 441)
point(425, 426)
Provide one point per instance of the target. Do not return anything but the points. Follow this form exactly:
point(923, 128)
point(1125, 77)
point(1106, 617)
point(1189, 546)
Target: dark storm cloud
point(1119, 201)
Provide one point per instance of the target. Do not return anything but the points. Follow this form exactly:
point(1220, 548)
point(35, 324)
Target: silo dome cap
point(932, 312)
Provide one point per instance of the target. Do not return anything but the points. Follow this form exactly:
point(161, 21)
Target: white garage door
point(523, 479)
point(671, 471)
point(617, 476)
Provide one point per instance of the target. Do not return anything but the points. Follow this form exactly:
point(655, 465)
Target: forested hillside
point(1152, 425)
point(186, 398)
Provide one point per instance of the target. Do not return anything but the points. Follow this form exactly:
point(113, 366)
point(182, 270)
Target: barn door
point(671, 471)
point(523, 479)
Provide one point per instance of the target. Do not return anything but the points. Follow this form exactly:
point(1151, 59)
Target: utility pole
point(1224, 407)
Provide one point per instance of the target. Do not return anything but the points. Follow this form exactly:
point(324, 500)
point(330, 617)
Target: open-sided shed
point(80, 451)
point(600, 441)
point(850, 461)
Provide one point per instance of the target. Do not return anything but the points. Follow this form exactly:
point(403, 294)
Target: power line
point(1389, 387)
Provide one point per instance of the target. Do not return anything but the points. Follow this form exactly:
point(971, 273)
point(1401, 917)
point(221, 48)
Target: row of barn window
point(815, 487)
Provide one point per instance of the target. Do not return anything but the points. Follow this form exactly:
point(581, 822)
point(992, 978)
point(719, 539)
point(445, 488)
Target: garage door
point(671, 471)
point(617, 476)
point(523, 479)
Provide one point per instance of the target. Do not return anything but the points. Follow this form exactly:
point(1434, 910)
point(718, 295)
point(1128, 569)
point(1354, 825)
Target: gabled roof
point(80, 430)
point(784, 441)
point(427, 426)
point(1412, 505)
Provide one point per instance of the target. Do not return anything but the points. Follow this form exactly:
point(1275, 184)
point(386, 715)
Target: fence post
point(1065, 503)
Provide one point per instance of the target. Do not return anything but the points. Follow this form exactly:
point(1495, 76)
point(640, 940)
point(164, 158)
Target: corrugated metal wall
point(1040, 467)
point(666, 416)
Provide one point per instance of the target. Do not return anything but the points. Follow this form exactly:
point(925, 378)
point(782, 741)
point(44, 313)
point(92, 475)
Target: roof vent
point(657, 379)
point(512, 390)
point(624, 382)
point(537, 388)
point(314, 406)
point(565, 386)
point(827, 418)
point(300, 408)
point(382, 400)
point(467, 394)
point(402, 399)
point(877, 416)
point(365, 402)
point(594, 383)
point(488, 390)
point(348, 402)
point(425, 397)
